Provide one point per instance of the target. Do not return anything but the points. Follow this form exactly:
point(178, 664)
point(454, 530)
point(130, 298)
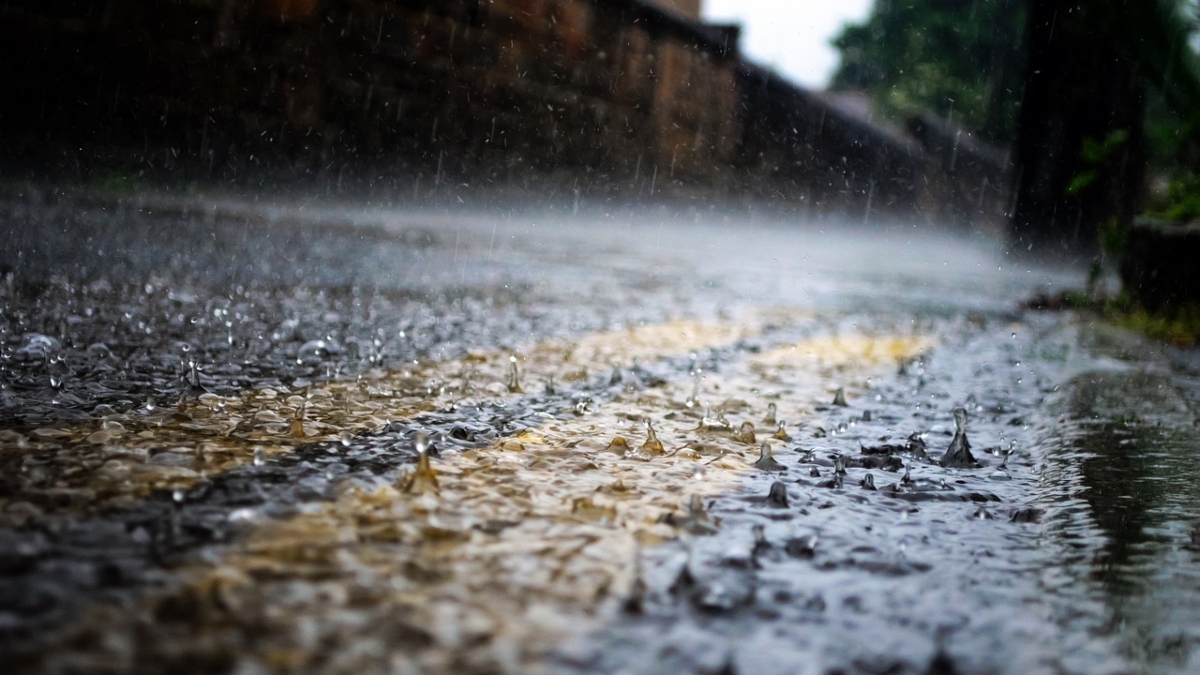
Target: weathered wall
point(506, 84)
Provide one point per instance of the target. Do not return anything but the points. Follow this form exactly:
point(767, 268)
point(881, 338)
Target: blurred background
point(1056, 123)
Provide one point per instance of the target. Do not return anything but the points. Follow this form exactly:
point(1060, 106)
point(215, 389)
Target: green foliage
point(1096, 154)
point(1182, 200)
point(1180, 326)
point(962, 60)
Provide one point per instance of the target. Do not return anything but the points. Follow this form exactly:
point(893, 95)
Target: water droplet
point(618, 445)
point(769, 418)
point(745, 433)
point(423, 478)
point(652, 446)
point(345, 439)
point(766, 460)
point(958, 455)
point(777, 495)
point(258, 457)
point(694, 400)
point(514, 382)
point(781, 433)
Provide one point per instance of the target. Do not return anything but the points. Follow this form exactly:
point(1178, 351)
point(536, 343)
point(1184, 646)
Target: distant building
point(687, 9)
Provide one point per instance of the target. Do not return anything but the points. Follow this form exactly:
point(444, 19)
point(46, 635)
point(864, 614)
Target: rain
point(577, 337)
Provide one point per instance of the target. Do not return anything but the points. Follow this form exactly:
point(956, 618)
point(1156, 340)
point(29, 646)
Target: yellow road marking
point(107, 463)
point(522, 545)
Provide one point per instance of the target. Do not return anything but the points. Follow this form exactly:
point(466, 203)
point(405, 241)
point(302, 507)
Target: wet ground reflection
point(1125, 458)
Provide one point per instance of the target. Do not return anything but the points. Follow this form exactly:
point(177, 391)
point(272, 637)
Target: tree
point(1080, 152)
point(961, 60)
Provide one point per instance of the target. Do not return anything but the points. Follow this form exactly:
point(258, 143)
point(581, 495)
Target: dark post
point(1080, 157)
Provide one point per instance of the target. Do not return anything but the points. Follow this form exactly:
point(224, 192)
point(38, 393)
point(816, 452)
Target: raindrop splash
point(781, 433)
point(958, 455)
point(777, 495)
point(652, 446)
point(514, 382)
point(766, 460)
point(769, 418)
point(423, 479)
point(745, 434)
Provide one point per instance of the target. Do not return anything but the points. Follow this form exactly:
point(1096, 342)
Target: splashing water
point(958, 455)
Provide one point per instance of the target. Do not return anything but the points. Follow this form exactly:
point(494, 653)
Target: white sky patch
point(791, 36)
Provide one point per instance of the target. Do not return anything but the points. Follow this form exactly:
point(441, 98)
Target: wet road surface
point(308, 437)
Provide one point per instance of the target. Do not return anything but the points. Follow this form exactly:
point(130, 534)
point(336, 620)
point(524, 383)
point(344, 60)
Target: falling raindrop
point(694, 400)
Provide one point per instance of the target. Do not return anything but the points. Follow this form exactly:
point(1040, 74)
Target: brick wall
point(608, 86)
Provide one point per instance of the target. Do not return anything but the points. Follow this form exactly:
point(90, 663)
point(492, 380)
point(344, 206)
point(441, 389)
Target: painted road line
point(113, 461)
point(521, 546)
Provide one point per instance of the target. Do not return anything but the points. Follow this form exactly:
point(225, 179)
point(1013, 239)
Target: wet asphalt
point(1051, 552)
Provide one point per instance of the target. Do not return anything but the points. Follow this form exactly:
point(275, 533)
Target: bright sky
point(792, 36)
